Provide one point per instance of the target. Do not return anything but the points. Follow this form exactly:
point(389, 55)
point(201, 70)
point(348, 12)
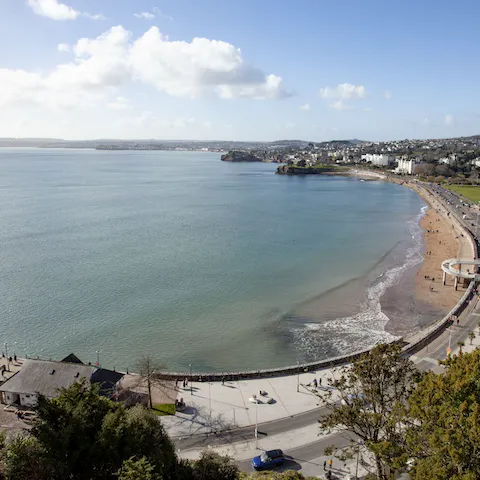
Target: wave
point(367, 328)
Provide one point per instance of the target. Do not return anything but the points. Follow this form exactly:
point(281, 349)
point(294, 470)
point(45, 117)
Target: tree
point(471, 336)
point(368, 401)
point(444, 432)
point(85, 436)
point(137, 470)
point(148, 368)
point(213, 466)
point(460, 345)
point(23, 458)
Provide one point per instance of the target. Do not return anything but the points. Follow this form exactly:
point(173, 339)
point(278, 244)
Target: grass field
point(470, 192)
point(164, 409)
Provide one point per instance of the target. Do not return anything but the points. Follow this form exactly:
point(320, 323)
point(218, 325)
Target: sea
point(197, 262)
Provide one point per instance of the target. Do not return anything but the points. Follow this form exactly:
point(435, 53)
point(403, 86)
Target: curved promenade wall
point(416, 343)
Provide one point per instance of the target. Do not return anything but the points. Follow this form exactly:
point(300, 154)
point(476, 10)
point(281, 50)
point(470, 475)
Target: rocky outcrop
point(238, 156)
point(298, 170)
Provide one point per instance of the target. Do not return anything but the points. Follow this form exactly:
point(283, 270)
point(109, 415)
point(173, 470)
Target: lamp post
point(6, 354)
point(256, 421)
point(98, 358)
point(358, 458)
point(298, 375)
point(191, 386)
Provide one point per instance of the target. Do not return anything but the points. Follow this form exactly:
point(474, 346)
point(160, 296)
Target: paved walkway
point(215, 407)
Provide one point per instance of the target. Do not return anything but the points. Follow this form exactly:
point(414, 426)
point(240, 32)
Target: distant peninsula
point(239, 156)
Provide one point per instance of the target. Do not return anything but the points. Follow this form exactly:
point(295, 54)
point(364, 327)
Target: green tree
point(444, 433)
point(213, 466)
point(368, 400)
point(86, 436)
point(24, 458)
point(137, 470)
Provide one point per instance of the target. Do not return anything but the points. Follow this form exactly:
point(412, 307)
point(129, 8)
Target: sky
point(254, 70)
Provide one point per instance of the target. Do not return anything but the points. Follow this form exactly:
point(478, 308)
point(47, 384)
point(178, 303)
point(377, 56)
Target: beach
point(442, 240)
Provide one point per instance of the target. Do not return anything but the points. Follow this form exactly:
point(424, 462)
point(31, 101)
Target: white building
point(405, 167)
point(380, 160)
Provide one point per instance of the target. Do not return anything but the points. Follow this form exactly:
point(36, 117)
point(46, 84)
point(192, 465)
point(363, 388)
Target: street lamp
point(256, 421)
point(6, 354)
point(298, 375)
point(98, 357)
point(191, 386)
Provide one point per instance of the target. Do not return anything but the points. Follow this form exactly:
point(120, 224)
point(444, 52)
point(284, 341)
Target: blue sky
point(239, 69)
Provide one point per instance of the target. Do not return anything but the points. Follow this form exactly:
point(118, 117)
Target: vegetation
point(148, 368)
point(164, 409)
point(470, 192)
point(428, 421)
point(372, 393)
point(472, 337)
point(444, 431)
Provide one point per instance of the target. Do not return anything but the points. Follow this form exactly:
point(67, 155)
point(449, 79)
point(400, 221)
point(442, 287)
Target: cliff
point(238, 156)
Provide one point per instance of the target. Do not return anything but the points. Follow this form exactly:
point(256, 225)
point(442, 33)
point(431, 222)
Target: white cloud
point(145, 15)
point(53, 9)
point(340, 105)
point(102, 65)
point(160, 14)
point(63, 47)
point(344, 91)
point(289, 125)
point(305, 107)
point(56, 10)
point(449, 120)
point(387, 95)
point(150, 16)
point(94, 16)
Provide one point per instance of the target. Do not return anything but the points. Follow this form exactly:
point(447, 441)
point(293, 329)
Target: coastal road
point(274, 427)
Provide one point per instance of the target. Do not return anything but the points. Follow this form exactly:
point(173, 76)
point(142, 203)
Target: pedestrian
point(223, 380)
point(330, 463)
point(176, 383)
point(315, 384)
point(184, 382)
point(319, 380)
point(15, 358)
point(458, 320)
point(324, 465)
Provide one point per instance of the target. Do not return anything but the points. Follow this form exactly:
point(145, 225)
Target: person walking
point(320, 380)
point(330, 463)
point(324, 465)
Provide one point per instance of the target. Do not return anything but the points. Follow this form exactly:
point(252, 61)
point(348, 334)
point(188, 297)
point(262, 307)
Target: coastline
point(430, 299)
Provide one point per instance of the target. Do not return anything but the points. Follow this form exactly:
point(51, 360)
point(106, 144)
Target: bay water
point(195, 261)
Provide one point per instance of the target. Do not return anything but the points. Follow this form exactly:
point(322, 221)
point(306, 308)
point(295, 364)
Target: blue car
point(269, 459)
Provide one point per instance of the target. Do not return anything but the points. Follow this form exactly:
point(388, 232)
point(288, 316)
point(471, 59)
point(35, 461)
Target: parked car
point(268, 459)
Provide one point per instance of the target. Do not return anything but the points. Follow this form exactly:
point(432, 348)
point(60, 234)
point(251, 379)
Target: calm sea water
point(195, 261)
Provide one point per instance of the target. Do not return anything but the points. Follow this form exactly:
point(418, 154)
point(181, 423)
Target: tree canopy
point(368, 400)
point(444, 434)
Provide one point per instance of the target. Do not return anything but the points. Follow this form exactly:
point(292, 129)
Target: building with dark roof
point(48, 378)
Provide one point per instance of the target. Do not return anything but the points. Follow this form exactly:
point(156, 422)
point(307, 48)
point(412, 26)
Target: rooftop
point(46, 377)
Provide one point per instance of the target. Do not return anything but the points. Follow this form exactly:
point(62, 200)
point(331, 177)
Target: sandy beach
point(441, 241)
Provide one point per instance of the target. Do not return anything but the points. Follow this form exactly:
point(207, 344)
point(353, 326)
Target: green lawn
point(470, 192)
point(164, 409)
